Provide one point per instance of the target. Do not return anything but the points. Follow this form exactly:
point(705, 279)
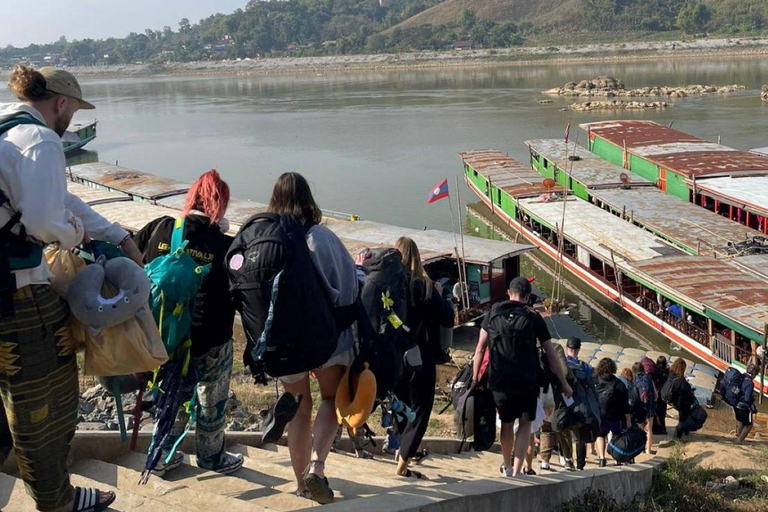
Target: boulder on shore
point(609, 87)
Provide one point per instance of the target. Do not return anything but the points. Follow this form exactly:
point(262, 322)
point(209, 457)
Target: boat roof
point(678, 220)
point(511, 176)
point(678, 151)
point(589, 170)
point(756, 264)
point(715, 284)
point(600, 232)
point(356, 235)
point(749, 191)
point(135, 183)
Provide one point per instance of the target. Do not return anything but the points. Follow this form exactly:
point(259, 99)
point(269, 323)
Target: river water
point(375, 143)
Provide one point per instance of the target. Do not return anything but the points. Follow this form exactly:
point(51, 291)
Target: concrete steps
point(266, 482)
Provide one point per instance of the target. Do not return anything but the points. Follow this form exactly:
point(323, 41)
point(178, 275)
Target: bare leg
point(402, 466)
point(649, 432)
point(325, 422)
point(507, 443)
point(601, 446)
point(522, 441)
point(299, 433)
point(529, 453)
point(745, 430)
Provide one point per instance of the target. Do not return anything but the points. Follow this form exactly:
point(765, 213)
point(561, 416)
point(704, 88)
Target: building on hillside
point(462, 45)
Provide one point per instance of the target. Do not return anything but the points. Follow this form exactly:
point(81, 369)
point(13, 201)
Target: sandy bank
point(521, 56)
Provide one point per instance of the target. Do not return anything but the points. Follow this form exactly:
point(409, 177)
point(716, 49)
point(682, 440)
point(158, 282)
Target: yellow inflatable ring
point(353, 407)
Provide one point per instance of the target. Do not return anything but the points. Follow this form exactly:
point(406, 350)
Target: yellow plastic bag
point(133, 346)
point(65, 266)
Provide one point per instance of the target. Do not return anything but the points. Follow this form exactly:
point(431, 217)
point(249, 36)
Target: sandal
point(318, 485)
point(412, 473)
point(87, 500)
point(303, 494)
point(419, 457)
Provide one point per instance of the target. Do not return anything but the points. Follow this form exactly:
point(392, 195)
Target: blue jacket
point(747, 395)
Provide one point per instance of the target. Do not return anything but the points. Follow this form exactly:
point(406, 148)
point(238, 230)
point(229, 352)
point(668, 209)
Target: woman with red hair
point(213, 316)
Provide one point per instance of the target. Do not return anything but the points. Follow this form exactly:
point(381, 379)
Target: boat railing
point(723, 348)
point(689, 329)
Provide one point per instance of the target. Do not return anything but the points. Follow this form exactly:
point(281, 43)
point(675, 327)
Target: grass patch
point(681, 486)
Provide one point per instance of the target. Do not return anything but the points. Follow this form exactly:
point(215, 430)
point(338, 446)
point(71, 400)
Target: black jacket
point(614, 398)
point(681, 392)
point(214, 312)
point(427, 315)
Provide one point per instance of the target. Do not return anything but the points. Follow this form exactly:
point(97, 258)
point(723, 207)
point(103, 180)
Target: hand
point(567, 391)
point(131, 250)
point(362, 257)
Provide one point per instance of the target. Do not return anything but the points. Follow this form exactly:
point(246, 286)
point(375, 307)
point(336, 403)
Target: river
point(375, 143)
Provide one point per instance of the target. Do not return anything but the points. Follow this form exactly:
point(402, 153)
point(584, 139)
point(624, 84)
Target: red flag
point(439, 192)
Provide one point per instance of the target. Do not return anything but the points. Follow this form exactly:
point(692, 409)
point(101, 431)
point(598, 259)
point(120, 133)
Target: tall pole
point(762, 366)
point(461, 233)
point(462, 277)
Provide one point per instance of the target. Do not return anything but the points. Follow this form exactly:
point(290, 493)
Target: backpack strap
point(177, 238)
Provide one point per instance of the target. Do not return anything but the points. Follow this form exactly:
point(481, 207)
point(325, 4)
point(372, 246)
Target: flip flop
point(279, 416)
point(87, 500)
point(319, 488)
point(412, 473)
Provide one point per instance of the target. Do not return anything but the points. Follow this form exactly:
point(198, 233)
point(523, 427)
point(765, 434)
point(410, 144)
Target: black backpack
point(288, 318)
point(696, 419)
point(514, 361)
point(385, 297)
point(637, 408)
point(730, 387)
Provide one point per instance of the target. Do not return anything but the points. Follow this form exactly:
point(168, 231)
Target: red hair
point(208, 194)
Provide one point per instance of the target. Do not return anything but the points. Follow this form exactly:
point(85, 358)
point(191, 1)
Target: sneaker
point(164, 467)
point(505, 471)
point(562, 460)
point(602, 463)
point(232, 462)
point(278, 417)
point(544, 466)
point(569, 465)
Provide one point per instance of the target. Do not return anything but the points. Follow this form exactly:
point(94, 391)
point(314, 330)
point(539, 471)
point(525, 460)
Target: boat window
point(498, 194)
point(544, 162)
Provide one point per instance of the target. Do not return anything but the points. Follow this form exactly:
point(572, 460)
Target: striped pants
point(215, 371)
point(39, 393)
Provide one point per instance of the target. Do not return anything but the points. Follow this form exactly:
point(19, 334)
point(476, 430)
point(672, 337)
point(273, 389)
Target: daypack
point(667, 389)
point(627, 445)
point(463, 403)
point(609, 399)
point(584, 412)
point(484, 420)
point(385, 297)
point(645, 388)
point(513, 360)
point(695, 419)
point(637, 408)
point(288, 318)
point(730, 387)
point(176, 279)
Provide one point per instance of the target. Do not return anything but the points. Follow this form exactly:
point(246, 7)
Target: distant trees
point(693, 17)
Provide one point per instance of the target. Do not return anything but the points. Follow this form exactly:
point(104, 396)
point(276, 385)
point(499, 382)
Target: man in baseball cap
point(63, 82)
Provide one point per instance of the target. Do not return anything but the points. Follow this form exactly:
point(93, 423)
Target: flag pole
point(456, 248)
point(461, 234)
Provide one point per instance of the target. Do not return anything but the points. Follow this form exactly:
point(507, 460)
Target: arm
point(556, 368)
point(38, 191)
point(482, 345)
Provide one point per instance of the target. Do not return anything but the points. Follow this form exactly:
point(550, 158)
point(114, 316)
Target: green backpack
point(176, 278)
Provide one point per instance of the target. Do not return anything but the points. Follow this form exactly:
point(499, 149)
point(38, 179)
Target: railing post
point(762, 365)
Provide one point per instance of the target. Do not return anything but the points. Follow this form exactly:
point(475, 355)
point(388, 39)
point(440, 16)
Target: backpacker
point(584, 413)
point(287, 315)
point(176, 279)
point(730, 387)
point(696, 419)
point(646, 390)
point(637, 408)
point(514, 361)
point(627, 445)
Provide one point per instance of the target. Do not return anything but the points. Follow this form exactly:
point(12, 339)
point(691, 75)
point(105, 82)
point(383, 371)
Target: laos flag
point(439, 192)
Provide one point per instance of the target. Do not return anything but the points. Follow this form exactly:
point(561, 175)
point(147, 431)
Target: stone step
point(14, 497)
point(173, 495)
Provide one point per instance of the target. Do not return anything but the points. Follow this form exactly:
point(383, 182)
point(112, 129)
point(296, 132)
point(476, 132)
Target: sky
point(44, 21)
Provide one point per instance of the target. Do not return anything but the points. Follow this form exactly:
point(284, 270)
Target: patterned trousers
point(39, 393)
point(215, 371)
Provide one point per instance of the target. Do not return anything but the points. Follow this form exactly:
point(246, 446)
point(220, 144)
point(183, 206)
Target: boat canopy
point(505, 173)
point(749, 191)
point(139, 184)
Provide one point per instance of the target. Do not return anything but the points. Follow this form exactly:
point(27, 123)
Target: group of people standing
point(38, 379)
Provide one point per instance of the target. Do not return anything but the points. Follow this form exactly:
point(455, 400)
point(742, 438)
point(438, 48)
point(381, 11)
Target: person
point(550, 440)
point(426, 312)
point(660, 414)
point(647, 392)
point(310, 445)
point(213, 318)
point(572, 349)
point(38, 375)
point(746, 406)
point(510, 332)
point(614, 406)
point(680, 395)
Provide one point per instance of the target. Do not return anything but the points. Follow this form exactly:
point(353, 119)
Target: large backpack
point(176, 279)
point(645, 387)
point(637, 408)
point(287, 315)
point(696, 419)
point(513, 361)
point(609, 399)
point(730, 387)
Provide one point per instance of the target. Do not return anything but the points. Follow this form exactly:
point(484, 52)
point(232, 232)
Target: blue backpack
point(645, 386)
point(730, 386)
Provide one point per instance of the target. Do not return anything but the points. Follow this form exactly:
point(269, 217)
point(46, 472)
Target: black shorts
point(513, 406)
point(743, 416)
